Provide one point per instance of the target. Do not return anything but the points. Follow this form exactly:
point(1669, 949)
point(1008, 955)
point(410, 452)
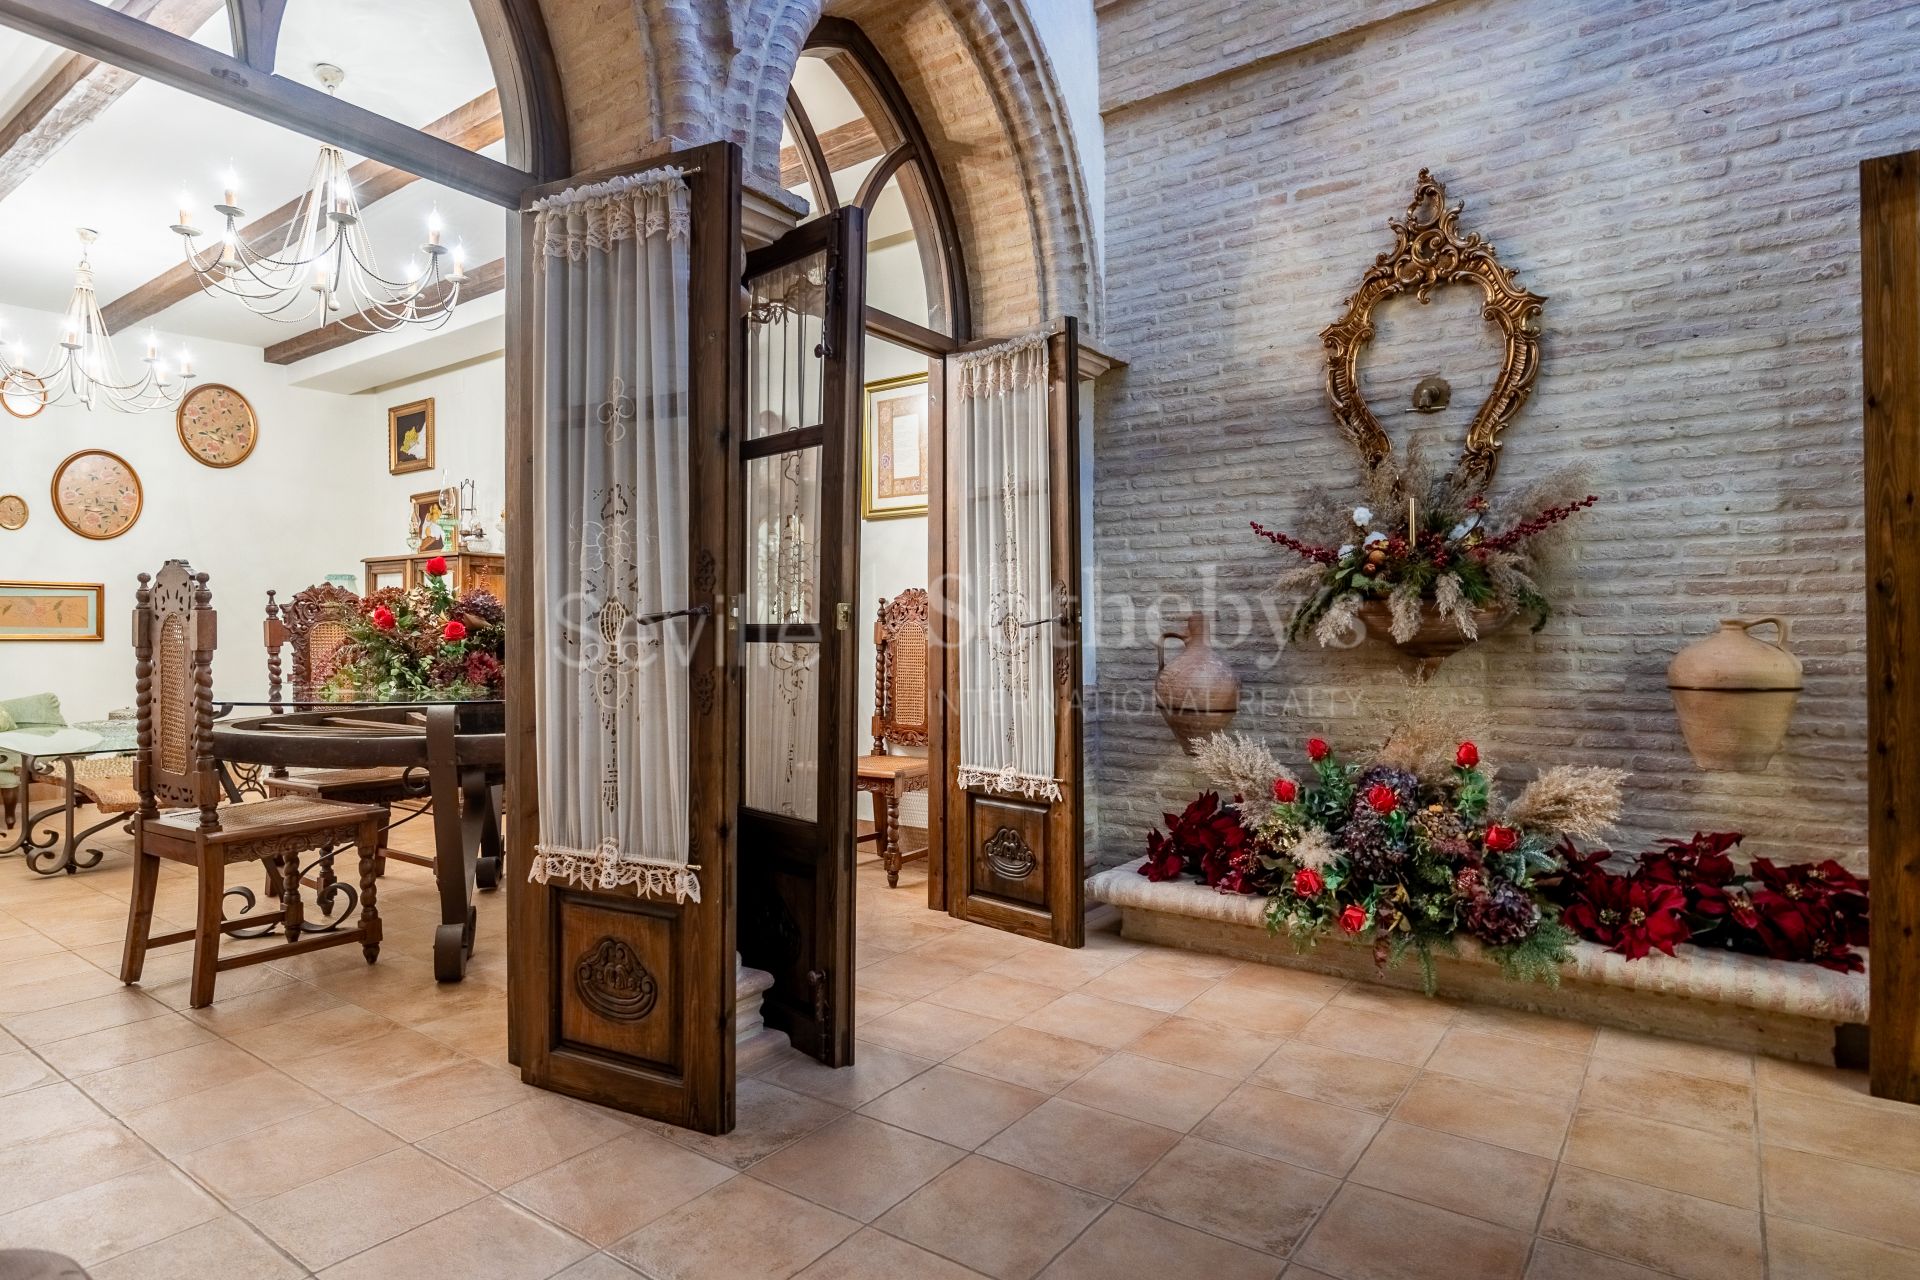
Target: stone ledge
point(1721, 998)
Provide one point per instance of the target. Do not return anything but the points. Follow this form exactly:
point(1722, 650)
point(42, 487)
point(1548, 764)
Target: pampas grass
point(1581, 801)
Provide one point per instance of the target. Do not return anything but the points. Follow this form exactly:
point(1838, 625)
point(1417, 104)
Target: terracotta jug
point(1734, 694)
point(1196, 693)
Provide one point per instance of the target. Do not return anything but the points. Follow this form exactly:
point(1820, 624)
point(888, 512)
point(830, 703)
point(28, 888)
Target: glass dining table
point(65, 755)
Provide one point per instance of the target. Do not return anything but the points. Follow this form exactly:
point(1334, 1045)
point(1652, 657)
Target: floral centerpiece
point(422, 642)
point(1410, 849)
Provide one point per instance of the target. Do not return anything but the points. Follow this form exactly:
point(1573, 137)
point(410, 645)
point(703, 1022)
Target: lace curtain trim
point(1018, 362)
point(605, 867)
point(600, 215)
point(1011, 782)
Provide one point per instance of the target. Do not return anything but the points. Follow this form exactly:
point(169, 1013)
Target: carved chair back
point(313, 624)
point(900, 677)
point(174, 636)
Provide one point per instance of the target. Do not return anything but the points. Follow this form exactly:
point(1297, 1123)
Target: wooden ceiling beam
point(473, 126)
point(842, 146)
point(481, 281)
point(256, 31)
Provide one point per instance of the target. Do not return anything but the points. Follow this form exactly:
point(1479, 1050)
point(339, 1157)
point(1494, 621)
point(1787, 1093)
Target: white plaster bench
point(1797, 1011)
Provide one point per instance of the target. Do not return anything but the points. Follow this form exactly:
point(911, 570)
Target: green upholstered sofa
point(36, 711)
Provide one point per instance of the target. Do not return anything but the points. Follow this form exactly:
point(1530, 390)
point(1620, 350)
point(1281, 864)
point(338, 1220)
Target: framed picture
point(96, 494)
point(428, 507)
point(52, 610)
point(216, 425)
point(410, 437)
point(13, 512)
point(22, 394)
point(893, 449)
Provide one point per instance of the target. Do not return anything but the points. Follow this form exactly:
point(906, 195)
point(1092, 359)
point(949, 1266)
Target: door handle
point(654, 619)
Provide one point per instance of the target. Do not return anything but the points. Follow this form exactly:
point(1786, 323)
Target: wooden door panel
point(619, 985)
point(1009, 851)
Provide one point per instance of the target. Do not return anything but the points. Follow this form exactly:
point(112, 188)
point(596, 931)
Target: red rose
point(1382, 798)
point(454, 630)
point(1285, 790)
point(1467, 756)
point(437, 566)
point(1318, 750)
point(1500, 839)
point(382, 617)
point(1353, 919)
point(1307, 883)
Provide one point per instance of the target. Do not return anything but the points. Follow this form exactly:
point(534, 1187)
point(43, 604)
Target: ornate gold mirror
point(1429, 251)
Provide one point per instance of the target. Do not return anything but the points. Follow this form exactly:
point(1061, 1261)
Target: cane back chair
point(174, 636)
point(900, 699)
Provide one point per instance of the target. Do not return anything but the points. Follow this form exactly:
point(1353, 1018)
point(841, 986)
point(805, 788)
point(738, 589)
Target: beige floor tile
point(1147, 1089)
point(955, 1107)
point(1148, 986)
point(233, 1012)
point(599, 1266)
point(740, 1228)
point(1214, 1047)
point(64, 1021)
point(1554, 1033)
point(340, 1027)
point(1527, 1122)
point(109, 1218)
point(1081, 1146)
point(176, 991)
point(928, 1030)
point(1716, 1166)
point(1106, 1024)
point(857, 1166)
point(977, 948)
point(1285, 1127)
point(1821, 1082)
point(1512, 1064)
point(1694, 1238)
point(44, 967)
point(22, 1070)
point(912, 976)
point(67, 1161)
point(479, 1033)
point(766, 1117)
point(873, 1255)
point(618, 1187)
point(226, 1248)
point(140, 1085)
point(68, 987)
point(875, 1070)
point(372, 1064)
point(489, 1239)
point(1271, 1208)
point(995, 995)
point(1329, 1075)
point(1299, 984)
point(1373, 1034)
point(1474, 1178)
point(422, 1105)
point(1033, 1059)
point(1855, 1199)
point(1844, 1130)
point(1714, 1105)
point(117, 1046)
point(1408, 1006)
point(1555, 1261)
point(1059, 967)
point(225, 1111)
point(1370, 1235)
point(1663, 1054)
point(290, 1153)
point(1798, 1251)
point(1257, 1009)
point(1126, 1244)
point(1033, 1218)
point(869, 1003)
point(330, 1220)
point(35, 1114)
point(519, 1141)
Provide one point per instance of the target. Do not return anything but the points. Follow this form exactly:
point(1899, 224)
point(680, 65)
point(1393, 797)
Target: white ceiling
point(124, 173)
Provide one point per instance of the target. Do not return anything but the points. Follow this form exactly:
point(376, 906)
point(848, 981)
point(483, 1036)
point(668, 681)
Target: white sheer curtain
point(612, 537)
point(1001, 458)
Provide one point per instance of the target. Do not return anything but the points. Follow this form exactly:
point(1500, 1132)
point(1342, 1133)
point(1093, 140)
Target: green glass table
point(55, 754)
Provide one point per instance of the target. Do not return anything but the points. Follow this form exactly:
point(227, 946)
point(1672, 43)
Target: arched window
point(851, 139)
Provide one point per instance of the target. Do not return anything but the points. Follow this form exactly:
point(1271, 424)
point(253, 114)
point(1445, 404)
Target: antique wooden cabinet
point(467, 569)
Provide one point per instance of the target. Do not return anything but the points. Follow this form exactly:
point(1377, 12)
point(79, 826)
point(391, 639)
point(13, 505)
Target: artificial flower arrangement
point(1410, 849)
point(422, 642)
point(1420, 541)
point(1689, 891)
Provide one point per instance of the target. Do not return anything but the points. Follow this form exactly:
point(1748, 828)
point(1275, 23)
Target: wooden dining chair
point(174, 637)
point(900, 685)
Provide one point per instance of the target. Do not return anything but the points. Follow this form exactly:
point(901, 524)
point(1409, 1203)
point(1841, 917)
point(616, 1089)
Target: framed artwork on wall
point(893, 449)
point(52, 610)
point(96, 494)
point(13, 512)
point(427, 510)
point(22, 394)
point(410, 437)
point(216, 425)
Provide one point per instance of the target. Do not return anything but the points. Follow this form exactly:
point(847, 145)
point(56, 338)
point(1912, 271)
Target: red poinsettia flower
point(1500, 839)
point(1307, 883)
point(1353, 919)
point(454, 630)
point(1164, 859)
point(382, 617)
point(1467, 756)
point(1285, 790)
point(1318, 750)
point(1630, 915)
point(1702, 860)
point(437, 566)
point(1203, 839)
point(1382, 798)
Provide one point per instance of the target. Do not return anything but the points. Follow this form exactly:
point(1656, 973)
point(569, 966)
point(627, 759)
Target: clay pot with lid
point(1735, 694)
point(1197, 693)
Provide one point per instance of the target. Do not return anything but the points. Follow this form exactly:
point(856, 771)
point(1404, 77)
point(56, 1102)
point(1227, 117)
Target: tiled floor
point(1017, 1110)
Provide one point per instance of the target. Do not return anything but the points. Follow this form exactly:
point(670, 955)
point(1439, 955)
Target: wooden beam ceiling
point(473, 126)
point(844, 146)
point(79, 88)
point(481, 281)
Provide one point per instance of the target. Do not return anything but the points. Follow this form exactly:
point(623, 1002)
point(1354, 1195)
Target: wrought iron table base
point(59, 850)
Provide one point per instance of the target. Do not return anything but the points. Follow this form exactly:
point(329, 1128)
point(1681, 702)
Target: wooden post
point(1890, 325)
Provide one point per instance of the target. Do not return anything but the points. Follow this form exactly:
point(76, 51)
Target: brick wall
point(1680, 179)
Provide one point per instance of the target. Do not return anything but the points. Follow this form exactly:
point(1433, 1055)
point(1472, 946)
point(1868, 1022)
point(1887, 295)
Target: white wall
point(1070, 35)
point(313, 499)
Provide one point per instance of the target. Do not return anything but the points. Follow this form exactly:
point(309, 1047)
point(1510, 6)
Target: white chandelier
point(82, 369)
point(326, 264)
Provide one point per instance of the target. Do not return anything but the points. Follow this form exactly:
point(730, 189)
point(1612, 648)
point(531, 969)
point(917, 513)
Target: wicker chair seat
point(272, 819)
point(110, 794)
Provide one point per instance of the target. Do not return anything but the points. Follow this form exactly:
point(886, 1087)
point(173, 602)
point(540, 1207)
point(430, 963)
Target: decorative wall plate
point(23, 394)
point(13, 512)
point(96, 494)
point(217, 425)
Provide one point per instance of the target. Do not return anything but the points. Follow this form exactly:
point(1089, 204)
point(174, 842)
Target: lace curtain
point(1001, 459)
point(612, 472)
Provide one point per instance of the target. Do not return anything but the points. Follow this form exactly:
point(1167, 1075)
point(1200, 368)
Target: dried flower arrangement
point(1410, 849)
point(422, 642)
point(1449, 556)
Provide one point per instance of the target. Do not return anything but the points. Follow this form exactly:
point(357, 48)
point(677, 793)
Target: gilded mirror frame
point(1429, 251)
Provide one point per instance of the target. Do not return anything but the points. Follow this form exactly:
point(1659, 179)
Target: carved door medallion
point(613, 982)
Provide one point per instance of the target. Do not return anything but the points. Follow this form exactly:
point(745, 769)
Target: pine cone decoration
point(1504, 914)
